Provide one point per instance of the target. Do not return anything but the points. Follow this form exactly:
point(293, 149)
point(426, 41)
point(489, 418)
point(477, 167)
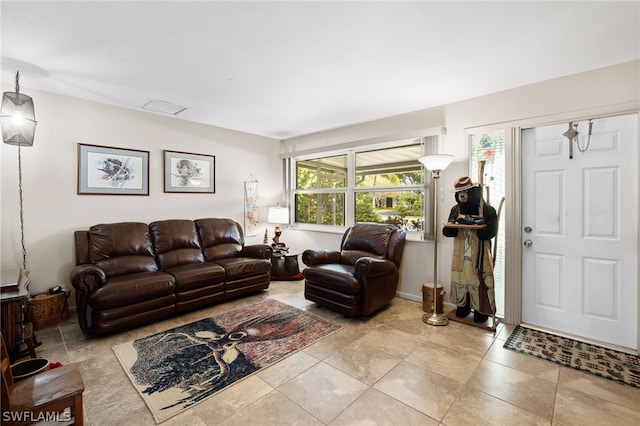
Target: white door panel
point(580, 258)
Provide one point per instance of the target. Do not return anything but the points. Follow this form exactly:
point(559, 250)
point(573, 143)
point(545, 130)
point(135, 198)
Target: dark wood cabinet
point(14, 329)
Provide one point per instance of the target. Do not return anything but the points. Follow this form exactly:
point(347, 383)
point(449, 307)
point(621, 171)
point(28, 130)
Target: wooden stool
point(42, 397)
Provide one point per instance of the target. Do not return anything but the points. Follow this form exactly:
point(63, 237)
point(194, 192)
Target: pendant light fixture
point(18, 122)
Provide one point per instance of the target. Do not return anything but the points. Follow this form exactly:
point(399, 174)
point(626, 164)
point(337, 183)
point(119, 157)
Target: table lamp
point(278, 216)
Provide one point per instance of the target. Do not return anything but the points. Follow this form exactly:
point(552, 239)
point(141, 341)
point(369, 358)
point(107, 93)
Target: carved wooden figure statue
point(473, 223)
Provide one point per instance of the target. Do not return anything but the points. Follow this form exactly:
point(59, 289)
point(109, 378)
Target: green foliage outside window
point(365, 211)
point(322, 209)
point(329, 172)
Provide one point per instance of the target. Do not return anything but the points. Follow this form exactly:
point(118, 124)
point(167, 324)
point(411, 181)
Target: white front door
point(580, 230)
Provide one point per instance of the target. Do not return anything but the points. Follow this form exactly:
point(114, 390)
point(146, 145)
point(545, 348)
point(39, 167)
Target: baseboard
point(409, 296)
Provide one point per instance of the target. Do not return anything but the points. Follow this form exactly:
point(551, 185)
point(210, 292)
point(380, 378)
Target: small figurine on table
point(473, 223)
point(277, 246)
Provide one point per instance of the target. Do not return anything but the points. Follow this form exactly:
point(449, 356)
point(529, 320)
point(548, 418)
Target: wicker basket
point(46, 310)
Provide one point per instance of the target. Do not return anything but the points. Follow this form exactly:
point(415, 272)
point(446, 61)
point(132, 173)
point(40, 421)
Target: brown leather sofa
point(131, 273)
point(362, 276)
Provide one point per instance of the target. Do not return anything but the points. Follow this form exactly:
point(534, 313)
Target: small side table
point(284, 266)
point(15, 330)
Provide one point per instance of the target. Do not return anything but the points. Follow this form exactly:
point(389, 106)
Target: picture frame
point(189, 172)
point(104, 170)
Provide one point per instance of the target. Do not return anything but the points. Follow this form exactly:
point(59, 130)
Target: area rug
point(608, 363)
point(177, 368)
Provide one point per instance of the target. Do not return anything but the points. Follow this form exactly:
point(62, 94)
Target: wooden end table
point(284, 266)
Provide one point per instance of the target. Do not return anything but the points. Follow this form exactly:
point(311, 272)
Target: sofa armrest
point(312, 257)
point(369, 267)
point(257, 251)
point(86, 279)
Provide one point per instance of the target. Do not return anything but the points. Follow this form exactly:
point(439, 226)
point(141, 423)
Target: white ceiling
point(284, 69)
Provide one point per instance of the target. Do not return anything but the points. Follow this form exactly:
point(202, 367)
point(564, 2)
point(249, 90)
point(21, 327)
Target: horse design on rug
point(202, 358)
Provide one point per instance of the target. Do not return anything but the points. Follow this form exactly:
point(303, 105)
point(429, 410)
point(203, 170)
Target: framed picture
point(112, 171)
point(186, 172)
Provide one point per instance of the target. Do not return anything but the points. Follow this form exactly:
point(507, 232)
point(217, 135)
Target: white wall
point(612, 89)
point(53, 210)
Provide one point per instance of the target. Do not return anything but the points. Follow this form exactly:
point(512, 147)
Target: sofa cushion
point(334, 276)
point(121, 248)
point(242, 267)
point(196, 275)
point(220, 238)
point(176, 243)
point(132, 288)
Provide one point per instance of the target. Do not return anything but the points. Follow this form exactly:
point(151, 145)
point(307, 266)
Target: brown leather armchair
point(360, 278)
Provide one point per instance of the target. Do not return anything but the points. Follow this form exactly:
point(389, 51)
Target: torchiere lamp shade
point(437, 162)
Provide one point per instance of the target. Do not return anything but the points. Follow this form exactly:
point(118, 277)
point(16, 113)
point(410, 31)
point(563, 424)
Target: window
point(320, 190)
point(488, 164)
point(389, 187)
point(383, 184)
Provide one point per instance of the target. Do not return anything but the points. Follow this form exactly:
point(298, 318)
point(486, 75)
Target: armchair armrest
point(86, 279)
point(319, 256)
point(257, 251)
point(369, 267)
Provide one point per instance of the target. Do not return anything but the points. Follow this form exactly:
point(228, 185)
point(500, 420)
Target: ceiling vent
point(162, 107)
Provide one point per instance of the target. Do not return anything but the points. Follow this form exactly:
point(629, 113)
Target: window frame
point(428, 144)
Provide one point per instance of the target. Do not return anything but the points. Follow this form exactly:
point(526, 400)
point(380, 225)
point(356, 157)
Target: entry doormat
point(175, 369)
point(603, 362)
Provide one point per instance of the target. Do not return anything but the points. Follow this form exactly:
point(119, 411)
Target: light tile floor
point(388, 369)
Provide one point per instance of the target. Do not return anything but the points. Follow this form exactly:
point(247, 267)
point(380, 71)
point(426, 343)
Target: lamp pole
point(436, 164)
point(435, 318)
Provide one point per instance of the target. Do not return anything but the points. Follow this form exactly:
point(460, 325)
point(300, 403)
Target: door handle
point(528, 243)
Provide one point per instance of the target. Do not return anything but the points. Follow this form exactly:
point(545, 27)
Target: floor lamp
point(18, 121)
point(436, 164)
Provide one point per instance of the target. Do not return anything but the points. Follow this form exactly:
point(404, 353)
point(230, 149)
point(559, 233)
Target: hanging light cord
point(24, 250)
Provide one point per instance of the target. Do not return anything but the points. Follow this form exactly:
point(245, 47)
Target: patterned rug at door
point(603, 362)
point(177, 368)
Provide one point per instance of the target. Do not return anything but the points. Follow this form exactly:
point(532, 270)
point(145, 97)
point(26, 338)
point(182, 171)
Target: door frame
point(513, 193)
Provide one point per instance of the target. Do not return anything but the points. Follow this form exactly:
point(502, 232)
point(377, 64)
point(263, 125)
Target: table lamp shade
point(278, 215)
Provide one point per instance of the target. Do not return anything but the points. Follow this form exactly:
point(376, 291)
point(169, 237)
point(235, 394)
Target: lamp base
point(435, 319)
